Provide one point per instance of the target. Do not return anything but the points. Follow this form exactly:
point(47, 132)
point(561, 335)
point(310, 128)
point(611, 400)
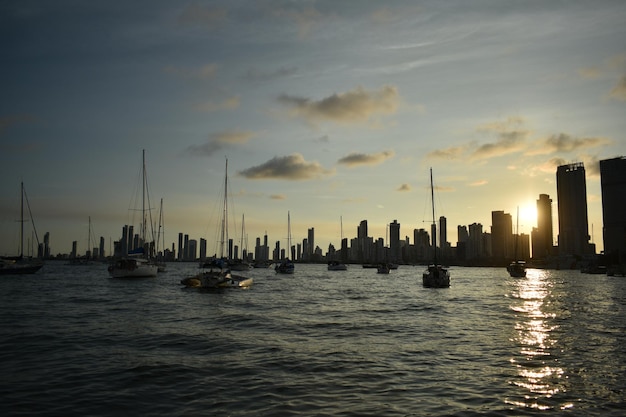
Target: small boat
point(383, 268)
point(435, 276)
point(219, 276)
point(132, 267)
point(337, 266)
point(286, 266)
point(217, 279)
point(136, 263)
point(517, 269)
point(20, 265)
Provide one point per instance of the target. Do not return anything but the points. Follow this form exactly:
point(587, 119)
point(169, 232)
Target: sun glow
point(527, 217)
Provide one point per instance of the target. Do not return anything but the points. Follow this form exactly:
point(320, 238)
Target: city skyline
point(327, 110)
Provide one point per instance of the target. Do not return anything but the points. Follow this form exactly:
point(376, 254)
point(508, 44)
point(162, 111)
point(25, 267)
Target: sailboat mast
point(432, 197)
point(143, 197)
point(22, 220)
point(288, 234)
point(224, 236)
point(89, 239)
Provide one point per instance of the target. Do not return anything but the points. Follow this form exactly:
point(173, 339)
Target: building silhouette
point(542, 235)
point(571, 188)
point(501, 235)
point(613, 182)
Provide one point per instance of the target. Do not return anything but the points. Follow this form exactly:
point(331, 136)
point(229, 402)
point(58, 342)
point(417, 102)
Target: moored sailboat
point(517, 268)
point(21, 265)
point(435, 276)
point(286, 266)
point(135, 263)
point(219, 275)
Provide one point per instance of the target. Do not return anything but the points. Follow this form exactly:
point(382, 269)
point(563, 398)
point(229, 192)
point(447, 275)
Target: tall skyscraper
point(613, 182)
point(571, 189)
point(443, 232)
point(311, 243)
point(501, 235)
point(394, 241)
point(543, 238)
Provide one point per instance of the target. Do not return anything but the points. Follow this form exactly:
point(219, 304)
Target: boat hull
point(19, 268)
point(436, 277)
point(217, 280)
point(133, 268)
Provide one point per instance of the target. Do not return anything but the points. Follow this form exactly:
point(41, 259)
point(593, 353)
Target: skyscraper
point(443, 232)
point(571, 190)
point(543, 238)
point(613, 182)
point(394, 241)
point(501, 235)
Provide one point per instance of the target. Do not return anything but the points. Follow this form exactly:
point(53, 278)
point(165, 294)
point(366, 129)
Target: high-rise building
point(613, 182)
point(501, 235)
point(542, 236)
point(443, 233)
point(394, 241)
point(363, 252)
point(180, 247)
point(311, 243)
point(571, 189)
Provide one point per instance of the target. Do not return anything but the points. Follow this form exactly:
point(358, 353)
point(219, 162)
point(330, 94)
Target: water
point(74, 342)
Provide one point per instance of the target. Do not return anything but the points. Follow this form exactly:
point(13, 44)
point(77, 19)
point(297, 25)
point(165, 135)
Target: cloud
point(565, 143)
point(510, 138)
point(204, 72)
point(356, 159)
point(353, 106)
point(257, 75)
point(197, 15)
point(305, 19)
point(219, 141)
point(591, 73)
point(211, 106)
point(551, 165)
point(404, 187)
point(452, 152)
point(619, 91)
point(478, 183)
point(291, 167)
point(278, 197)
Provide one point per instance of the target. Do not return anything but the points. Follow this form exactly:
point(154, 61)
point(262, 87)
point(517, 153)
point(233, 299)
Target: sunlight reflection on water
point(538, 372)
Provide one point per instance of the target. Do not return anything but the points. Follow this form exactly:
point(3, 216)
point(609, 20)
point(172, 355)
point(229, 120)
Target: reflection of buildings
point(542, 237)
point(613, 181)
point(571, 191)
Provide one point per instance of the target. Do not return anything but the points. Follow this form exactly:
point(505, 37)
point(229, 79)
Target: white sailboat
point(435, 276)
point(21, 265)
point(135, 263)
point(219, 275)
point(286, 266)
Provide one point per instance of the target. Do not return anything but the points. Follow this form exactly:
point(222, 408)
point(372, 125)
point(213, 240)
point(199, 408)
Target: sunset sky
point(324, 109)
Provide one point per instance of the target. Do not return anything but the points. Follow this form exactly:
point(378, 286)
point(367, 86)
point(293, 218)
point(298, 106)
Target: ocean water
point(74, 342)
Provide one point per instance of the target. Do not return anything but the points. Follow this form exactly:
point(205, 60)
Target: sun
point(527, 217)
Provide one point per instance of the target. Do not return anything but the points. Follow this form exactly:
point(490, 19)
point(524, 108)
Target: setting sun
point(527, 217)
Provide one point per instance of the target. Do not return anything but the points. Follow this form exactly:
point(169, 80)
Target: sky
point(331, 111)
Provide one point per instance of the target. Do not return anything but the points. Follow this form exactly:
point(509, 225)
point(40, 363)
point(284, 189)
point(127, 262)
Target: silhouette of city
point(474, 247)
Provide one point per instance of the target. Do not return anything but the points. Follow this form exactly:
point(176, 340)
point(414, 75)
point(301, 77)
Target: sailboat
point(286, 266)
point(435, 276)
point(241, 264)
point(517, 268)
point(336, 265)
point(89, 256)
point(159, 260)
point(20, 265)
point(135, 263)
point(384, 267)
point(219, 275)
